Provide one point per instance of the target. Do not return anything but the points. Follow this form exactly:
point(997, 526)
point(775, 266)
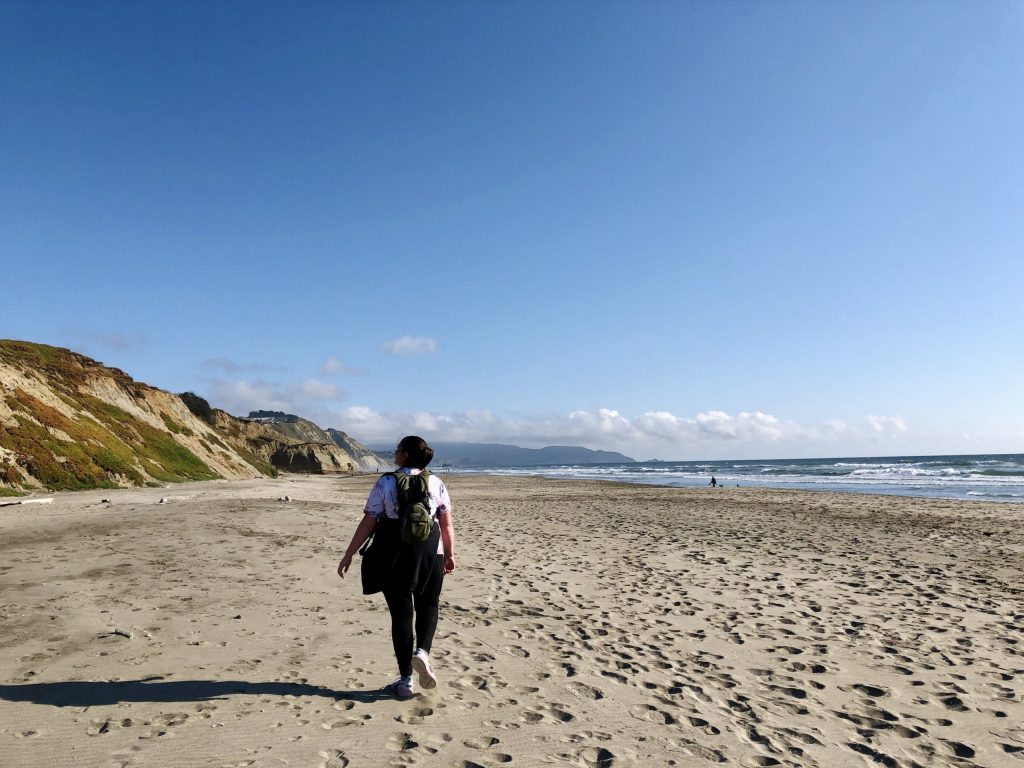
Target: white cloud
point(706, 434)
point(304, 399)
point(334, 366)
point(716, 425)
point(887, 424)
point(314, 389)
point(411, 345)
point(240, 397)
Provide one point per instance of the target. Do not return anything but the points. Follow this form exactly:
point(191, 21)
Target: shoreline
point(588, 624)
point(639, 474)
point(864, 489)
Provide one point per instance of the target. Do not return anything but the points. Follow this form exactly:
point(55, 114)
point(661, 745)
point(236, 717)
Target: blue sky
point(675, 229)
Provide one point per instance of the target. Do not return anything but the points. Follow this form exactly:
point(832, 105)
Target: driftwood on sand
point(25, 501)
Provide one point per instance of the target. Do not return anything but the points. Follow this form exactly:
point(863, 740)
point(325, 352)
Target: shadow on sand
point(94, 694)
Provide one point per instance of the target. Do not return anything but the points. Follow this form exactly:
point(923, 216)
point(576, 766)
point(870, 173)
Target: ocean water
point(997, 477)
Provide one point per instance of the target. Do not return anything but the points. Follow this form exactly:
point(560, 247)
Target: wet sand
point(588, 624)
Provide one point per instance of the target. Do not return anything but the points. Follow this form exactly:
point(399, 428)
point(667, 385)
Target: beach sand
point(588, 624)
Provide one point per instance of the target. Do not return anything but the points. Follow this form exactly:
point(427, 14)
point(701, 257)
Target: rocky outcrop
point(311, 458)
point(293, 427)
point(362, 457)
point(277, 449)
point(335, 443)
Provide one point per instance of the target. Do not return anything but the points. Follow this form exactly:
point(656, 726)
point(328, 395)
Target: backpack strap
point(424, 476)
point(403, 483)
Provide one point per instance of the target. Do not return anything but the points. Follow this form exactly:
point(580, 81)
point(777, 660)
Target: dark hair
point(417, 453)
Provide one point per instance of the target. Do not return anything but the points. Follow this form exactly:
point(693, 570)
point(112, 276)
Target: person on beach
point(713, 482)
point(412, 588)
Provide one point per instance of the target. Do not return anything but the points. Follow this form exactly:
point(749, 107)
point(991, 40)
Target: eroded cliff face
point(291, 426)
point(363, 458)
point(68, 422)
point(284, 450)
point(336, 448)
point(315, 458)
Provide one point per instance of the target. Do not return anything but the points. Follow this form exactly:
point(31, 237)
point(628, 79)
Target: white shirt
point(383, 498)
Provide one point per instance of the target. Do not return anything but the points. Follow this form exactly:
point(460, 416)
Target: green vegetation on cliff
point(68, 422)
point(96, 448)
point(62, 367)
point(97, 444)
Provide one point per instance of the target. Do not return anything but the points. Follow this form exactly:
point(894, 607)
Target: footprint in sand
point(415, 716)
point(333, 758)
point(874, 754)
point(596, 757)
point(474, 682)
point(702, 725)
point(565, 669)
point(481, 742)
point(404, 742)
point(499, 758)
point(98, 727)
point(1014, 750)
point(871, 691)
point(959, 749)
point(547, 713)
point(162, 725)
point(653, 714)
point(953, 703)
point(694, 749)
point(584, 691)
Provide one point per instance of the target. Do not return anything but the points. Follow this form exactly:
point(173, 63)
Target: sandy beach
point(588, 624)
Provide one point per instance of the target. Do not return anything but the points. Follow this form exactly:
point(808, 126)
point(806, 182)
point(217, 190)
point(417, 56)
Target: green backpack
point(415, 523)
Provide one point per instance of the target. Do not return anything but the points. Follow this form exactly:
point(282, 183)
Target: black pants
point(402, 605)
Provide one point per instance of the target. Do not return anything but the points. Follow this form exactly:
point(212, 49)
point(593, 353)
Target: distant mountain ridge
point(502, 455)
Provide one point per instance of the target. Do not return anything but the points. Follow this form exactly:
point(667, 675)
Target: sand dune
point(588, 624)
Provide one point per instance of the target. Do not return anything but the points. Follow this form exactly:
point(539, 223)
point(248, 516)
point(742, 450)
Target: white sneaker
point(402, 687)
point(421, 665)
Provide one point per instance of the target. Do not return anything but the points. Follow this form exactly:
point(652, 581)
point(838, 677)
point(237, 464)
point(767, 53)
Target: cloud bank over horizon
point(660, 433)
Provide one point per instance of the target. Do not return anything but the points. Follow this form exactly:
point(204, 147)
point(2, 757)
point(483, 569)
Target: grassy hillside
point(96, 450)
point(67, 422)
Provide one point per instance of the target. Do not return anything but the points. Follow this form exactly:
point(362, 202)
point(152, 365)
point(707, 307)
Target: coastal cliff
point(68, 422)
point(332, 446)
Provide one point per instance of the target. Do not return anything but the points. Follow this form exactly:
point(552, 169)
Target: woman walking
point(412, 585)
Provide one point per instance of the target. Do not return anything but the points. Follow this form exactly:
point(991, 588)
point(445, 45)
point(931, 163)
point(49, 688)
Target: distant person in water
point(412, 585)
point(713, 482)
